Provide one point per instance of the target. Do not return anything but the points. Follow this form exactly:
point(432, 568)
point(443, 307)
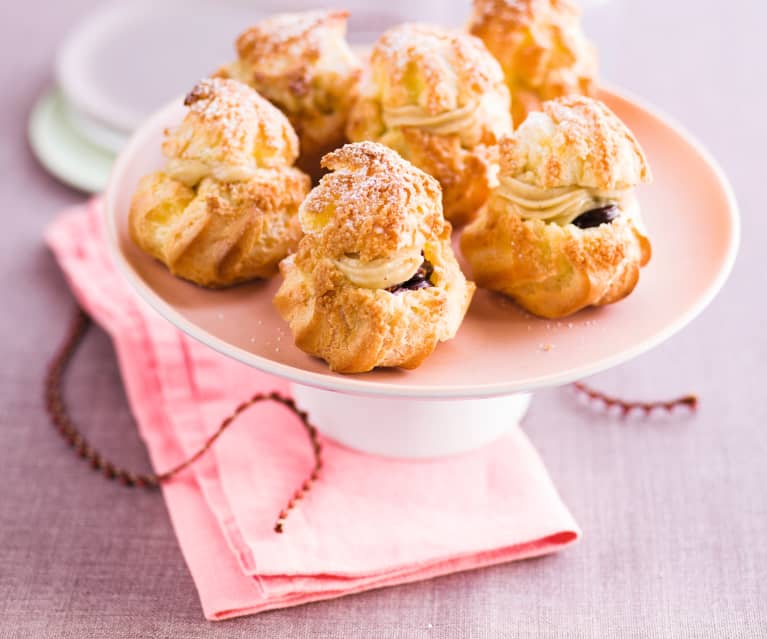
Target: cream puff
point(541, 47)
point(302, 63)
point(224, 209)
point(562, 231)
point(374, 281)
point(438, 98)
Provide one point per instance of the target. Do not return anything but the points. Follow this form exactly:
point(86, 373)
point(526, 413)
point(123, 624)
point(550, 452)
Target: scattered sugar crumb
point(546, 347)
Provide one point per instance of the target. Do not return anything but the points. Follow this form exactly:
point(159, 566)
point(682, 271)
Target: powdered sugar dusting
point(294, 34)
point(231, 117)
point(455, 67)
point(373, 203)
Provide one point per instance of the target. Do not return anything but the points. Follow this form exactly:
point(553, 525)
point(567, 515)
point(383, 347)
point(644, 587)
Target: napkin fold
point(368, 522)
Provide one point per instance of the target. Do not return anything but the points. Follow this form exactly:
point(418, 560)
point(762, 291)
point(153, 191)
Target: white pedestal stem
point(410, 428)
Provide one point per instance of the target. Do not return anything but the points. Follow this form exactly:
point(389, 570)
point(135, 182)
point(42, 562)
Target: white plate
point(125, 59)
point(692, 219)
point(63, 150)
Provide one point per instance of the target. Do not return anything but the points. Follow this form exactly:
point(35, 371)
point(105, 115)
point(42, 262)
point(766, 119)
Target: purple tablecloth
point(674, 514)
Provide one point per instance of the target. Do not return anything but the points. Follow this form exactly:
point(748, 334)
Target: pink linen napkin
point(368, 522)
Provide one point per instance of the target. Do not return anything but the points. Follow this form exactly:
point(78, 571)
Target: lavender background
point(674, 514)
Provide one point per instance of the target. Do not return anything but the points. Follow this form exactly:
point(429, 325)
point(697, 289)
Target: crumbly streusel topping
point(373, 204)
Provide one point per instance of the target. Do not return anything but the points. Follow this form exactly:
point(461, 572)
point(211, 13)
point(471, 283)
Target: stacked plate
point(116, 67)
point(125, 60)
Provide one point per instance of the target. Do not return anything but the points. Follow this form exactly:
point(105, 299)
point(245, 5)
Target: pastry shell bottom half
point(218, 234)
point(551, 270)
point(356, 329)
point(466, 175)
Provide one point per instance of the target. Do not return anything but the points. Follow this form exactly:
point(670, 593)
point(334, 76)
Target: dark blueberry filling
point(595, 217)
point(418, 281)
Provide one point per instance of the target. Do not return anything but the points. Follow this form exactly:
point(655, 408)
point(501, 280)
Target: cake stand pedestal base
point(410, 428)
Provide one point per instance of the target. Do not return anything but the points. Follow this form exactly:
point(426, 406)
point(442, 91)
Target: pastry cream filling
point(445, 123)
point(192, 172)
point(383, 272)
point(560, 205)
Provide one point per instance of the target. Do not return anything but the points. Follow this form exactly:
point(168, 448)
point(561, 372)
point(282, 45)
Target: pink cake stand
point(478, 386)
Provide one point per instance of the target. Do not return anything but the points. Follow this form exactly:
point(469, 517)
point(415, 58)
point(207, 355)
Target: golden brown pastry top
point(373, 205)
point(539, 44)
point(228, 133)
point(574, 141)
point(303, 64)
point(292, 40)
point(439, 80)
point(436, 68)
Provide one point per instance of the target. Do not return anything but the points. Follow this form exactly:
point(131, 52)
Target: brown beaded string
point(688, 402)
point(54, 402)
